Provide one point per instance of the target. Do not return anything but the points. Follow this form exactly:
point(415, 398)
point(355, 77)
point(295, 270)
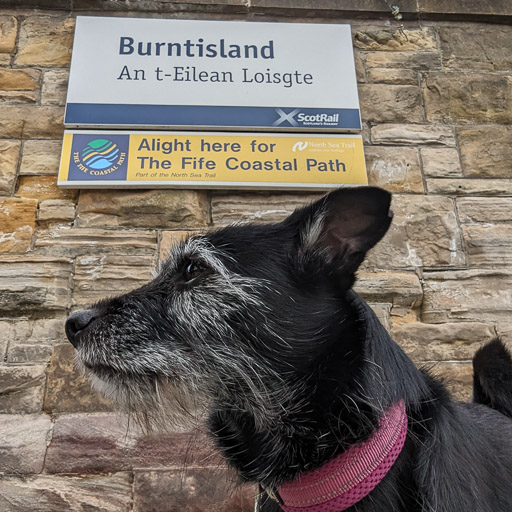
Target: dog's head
point(235, 315)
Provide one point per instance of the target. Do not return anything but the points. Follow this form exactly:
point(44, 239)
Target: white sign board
point(147, 73)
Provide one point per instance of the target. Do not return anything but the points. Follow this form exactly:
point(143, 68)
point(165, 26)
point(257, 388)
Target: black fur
point(325, 363)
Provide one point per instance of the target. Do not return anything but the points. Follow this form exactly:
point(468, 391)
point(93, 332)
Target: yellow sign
point(94, 159)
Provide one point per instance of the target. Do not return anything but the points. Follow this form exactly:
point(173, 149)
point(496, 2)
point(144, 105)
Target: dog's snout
point(78, 322)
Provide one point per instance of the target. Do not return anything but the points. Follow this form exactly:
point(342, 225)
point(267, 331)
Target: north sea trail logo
point(100, 157)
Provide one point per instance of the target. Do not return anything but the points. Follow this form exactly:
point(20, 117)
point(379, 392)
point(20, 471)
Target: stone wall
point(436, 99)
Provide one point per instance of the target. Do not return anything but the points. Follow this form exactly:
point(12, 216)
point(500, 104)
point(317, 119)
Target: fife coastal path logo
point(99, 157)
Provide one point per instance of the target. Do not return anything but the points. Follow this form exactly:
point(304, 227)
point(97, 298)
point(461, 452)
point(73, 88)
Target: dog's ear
point(342, 226)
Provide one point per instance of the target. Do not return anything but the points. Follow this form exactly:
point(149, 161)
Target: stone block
point(31, 121)
point(452, 341)
point(23, 447)
point(457, 377)
point(67, 389)
point(170, 238)
point(19, 79)
point(45, 493)
point(424, 233)
point(383, 103)
point(250, 207)
point(484, 209)
point(40, 157)
point(36, 330)
point(392, 76)
point(485, 151)
point(45, 41)
point(55, 87)
point(56, 211)
point(461, 9)
point(477, 295)
point(398, 171)
point(21, 388)
point(14, 97)
point(98, 277)
point(108, 444)
point(418, 61)
point(479, 187)
point(9, 155)
point(441, 162)
point(488, 245)
point(29, 285)
point(476, 46)
point(191, 490)
point(467, 97)
point(400, 289)
point(432, 135)
point(43, 187)
point(8, 31)
point(28, 353)
point(392, 38)
point(150, 208)
point(71, 242)
point(17, 223)
point(383, 312)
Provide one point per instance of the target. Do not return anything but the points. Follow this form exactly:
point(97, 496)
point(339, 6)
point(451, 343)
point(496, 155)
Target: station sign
point(135, 73)
point(156, 159)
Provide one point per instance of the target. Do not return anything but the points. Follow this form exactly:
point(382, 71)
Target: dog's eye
point(193, 269)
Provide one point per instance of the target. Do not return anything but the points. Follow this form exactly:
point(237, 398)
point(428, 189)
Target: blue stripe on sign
point(214, 116)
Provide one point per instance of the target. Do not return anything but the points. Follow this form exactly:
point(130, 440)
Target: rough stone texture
point(489, 245)
point(107, 444)
point(191, 490)
point(478, 47)
point(68, 390)
point(412, 134)
point(152, 208)
point(70, 242)
point(9, 155)
point(55, 86)
point(383, 103)
point(377, 37)
point(409, 244)
point(397, 171)
point(43, 187)
point(40, 157)
point(467, 295)
point(21, 388)
point(402, 290)
point(392, 76)
point(31, 121)
point(17, 223)
point(441, 162)
point(485, 151)
point(485, 187)
point(458, 378)
point(23, 445)
point(8, 30)
point(264, 207)
point(468, 97)
point(34, 283)
point(12, 97)
point(74, 494)
point(421, 61)
point(484, 209)
point(45, 41)
point(440, 342)
point(19, 79)
point(98, 277)
point(56, 211)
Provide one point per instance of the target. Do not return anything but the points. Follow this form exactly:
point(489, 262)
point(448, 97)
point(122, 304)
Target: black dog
point(305, 392)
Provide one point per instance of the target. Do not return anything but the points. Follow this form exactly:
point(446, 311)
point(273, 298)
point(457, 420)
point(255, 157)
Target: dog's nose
point(78, 322)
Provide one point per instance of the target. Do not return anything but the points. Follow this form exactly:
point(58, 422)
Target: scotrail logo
point(297, 118)
point(99, 157)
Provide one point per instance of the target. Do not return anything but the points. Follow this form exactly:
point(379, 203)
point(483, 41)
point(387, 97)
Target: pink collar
point(349, 477)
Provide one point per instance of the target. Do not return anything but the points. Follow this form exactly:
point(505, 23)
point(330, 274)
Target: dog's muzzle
point(78, 322)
